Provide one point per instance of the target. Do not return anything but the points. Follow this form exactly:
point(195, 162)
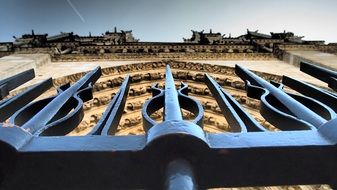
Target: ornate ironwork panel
point(174, 153)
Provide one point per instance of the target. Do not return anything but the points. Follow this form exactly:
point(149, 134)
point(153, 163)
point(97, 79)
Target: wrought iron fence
point(174, 153)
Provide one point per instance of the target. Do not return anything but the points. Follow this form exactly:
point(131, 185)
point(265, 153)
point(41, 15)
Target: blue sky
point(169, 20)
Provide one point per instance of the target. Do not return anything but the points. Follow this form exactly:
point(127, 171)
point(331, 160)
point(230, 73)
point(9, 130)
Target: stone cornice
point(161, 56)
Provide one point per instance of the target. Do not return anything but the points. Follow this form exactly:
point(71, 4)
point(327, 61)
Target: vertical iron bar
point(13, 82)
point(326, 97)
point(318, 72)
point(237, 118)
point(293, 105)
point(110, 119)
point(179, 175)
point(49, 111)
point(172, 108)
point(10, 106)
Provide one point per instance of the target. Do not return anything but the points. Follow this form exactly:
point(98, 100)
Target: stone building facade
point(66, 57)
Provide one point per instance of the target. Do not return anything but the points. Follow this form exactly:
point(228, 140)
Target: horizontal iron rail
point(103, 162)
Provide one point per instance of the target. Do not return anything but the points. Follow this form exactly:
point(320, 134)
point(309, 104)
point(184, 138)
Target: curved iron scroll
point(291, 107)
point(238, 119)
point(172, 101)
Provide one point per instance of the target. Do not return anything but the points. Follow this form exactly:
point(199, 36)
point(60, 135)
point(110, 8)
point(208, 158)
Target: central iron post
point(172, 109)
point(174, 136)
point(179, 173)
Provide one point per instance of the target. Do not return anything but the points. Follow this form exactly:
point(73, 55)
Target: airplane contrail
point(75, 10)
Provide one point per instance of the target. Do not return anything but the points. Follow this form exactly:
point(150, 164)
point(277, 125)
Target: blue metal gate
point(175, 153)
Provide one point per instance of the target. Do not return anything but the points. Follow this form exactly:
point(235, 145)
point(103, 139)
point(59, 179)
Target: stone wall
point(16, 63)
